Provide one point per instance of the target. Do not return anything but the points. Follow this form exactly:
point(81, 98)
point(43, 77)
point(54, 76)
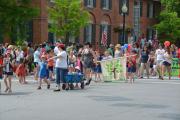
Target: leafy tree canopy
point(14, 15)
point(67, 17)
point(169, 25)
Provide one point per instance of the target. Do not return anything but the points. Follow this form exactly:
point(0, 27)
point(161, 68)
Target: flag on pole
point(104, 38)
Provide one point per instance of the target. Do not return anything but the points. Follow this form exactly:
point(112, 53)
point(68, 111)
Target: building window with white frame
point(106, 4)
point(90, 3)
point(88, 33)
point(150, 9)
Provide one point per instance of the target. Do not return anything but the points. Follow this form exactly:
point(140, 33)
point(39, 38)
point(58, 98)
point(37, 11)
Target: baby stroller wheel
point(63, 86)
point(82, 85)
point(71, 86)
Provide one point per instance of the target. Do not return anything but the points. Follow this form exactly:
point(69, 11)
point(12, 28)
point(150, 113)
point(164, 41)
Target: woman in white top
point(61, 67)
point(167, 63)
point(159, 59)
point(36, 61)
point(117, 52)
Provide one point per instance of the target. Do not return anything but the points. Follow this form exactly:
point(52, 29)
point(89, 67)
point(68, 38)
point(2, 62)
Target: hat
point(118, 46)
point(111, 45)
point(61, 46)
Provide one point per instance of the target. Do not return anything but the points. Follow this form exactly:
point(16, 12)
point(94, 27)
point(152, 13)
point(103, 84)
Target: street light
point(124, 11)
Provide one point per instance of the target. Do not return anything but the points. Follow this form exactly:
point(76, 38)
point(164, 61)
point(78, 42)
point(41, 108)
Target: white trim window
point(150, 10)
point(106, 4)
point(88, 33)
point(90, 3)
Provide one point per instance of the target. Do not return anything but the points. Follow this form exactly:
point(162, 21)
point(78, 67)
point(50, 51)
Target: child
point(131, 64)
point(21, 71)
point(8, 71)
point(43, 72)
point(79, 65)
point(151, 61)
point(1, 68)
point(98, 70)
point(50, 54)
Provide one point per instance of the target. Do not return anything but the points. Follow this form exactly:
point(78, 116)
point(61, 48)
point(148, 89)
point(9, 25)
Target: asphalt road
point(144, 100)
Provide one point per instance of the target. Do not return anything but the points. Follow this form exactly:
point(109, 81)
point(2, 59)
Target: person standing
point(167, 63)
point(111, 50)
point(144, 62)
point(118, 52)
point(61, 66)
point(88, 56)
point(21, 71)
point(8, 71)
point(159, 57)
point(36, 61)
point(1, 68)
point(43, 72)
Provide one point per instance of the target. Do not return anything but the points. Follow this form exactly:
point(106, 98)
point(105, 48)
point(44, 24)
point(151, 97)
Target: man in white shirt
point(159, 58)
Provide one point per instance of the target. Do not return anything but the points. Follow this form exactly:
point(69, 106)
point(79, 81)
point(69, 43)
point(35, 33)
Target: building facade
point(106, 16)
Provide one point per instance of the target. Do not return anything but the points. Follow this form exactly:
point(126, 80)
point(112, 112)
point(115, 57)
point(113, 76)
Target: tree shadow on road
point(109, 98)
point(149, 106)
point(170, 116)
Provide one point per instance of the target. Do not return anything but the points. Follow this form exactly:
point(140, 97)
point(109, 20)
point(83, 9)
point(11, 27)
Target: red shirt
point(131, 61)
point(179, 53)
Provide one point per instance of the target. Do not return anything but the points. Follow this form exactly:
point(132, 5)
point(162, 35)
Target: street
point(144, 100)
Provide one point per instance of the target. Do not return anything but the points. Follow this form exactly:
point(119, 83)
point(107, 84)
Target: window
point(51, 36)
point(121, 2)
point(89, 33)
point(150, 33)
point(106, 4)
point(150, 10)
point(90, 3)
point(141, 8)
point(105, 28)
point(30, 31)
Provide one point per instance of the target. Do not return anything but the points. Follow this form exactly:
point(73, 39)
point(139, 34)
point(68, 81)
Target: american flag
point(104, 38)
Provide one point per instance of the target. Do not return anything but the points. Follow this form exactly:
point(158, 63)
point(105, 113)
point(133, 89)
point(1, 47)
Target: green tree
point(14, 16)
point(169, 25)
point(68, 17)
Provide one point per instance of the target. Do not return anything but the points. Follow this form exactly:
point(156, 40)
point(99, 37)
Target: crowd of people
point(51, 62)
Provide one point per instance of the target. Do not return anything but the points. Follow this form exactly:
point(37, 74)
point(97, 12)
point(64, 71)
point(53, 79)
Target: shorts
point(159, 62)
point(8, 73)
point(151, 65)
point(51, 68)
point(132, 69)
point(98, 69)
point(165, 63)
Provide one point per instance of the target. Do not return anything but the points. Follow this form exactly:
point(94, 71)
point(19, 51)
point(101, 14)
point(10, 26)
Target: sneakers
point(39, 88)
point(48, 86)
point(10, 91)
point(88, 83)
point(6, 90)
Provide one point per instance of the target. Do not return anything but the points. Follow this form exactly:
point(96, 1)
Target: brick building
point(106, 16)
